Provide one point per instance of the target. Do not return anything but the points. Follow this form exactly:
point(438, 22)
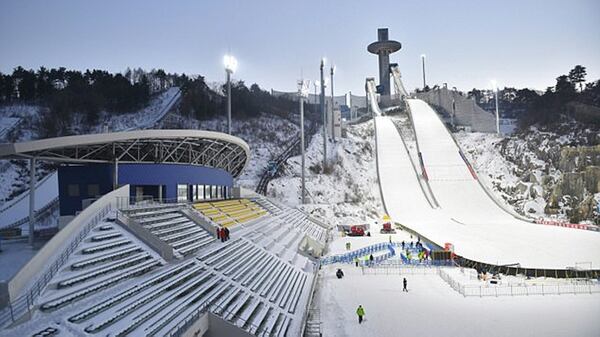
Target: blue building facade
point(176, 181)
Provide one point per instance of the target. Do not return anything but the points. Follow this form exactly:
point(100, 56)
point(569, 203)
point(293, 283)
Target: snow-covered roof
point(195, 147)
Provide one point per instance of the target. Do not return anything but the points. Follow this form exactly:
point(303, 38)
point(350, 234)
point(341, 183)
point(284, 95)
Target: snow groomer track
point(481, 232)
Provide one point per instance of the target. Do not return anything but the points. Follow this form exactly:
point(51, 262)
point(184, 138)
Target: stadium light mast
point(230, 67)
point(332, 105)
point(302, 93)
point(423, 65)
point(495, 88)
point(323, 112)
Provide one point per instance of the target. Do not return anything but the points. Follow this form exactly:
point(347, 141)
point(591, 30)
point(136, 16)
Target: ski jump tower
point(383, 48)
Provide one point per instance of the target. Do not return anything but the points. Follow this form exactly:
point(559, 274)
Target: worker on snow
point(404, 283)
point(360, 312)
point(356, 261)
point(339, 273)
point(371, 259)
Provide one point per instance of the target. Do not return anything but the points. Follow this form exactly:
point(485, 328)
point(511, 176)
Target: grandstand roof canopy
point(195, 147)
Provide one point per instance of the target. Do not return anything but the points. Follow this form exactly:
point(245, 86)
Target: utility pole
point(324, 115)
point(332, 106)
point(495, 88)
point(302, 91)
point(228, 102)
point(32, 183)
point(230, 67)
point(423, 63)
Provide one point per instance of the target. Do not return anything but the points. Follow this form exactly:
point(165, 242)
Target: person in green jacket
point(360, 312)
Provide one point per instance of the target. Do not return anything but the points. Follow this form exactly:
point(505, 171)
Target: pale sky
point(467, 43)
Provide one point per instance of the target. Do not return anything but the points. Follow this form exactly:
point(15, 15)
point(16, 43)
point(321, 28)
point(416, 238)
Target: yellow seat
point(227, 223)
point(219, 217)
point(203, 205)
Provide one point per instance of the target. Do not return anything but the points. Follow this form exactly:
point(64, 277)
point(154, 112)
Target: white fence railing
point(488, 290)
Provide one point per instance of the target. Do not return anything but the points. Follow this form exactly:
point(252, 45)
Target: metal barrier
point(23, 304)
point(576, 287)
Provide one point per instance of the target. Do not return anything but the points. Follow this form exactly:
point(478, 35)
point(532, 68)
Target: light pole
point(302, 93)
point(332, 106)
point(230, 67)
point(324, 115)
point(495, 88)
point(423, 63)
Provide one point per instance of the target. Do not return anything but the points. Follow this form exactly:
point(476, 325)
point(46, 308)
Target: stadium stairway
point(170, 225)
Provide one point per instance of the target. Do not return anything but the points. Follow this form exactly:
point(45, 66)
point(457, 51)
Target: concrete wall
point(468, 113)
point(221, 328)
point(53, 248)
point(199, 327)
point(132, 226)
point(190, 214)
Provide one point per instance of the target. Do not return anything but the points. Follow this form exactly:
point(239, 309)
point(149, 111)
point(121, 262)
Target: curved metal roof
point(195, 147)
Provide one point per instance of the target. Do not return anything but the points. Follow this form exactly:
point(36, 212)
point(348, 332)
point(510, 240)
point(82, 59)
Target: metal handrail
point(24, 303)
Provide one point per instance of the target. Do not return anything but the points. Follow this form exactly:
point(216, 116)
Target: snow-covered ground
point(46, 191)
point(432, 308)
point(142, 119)
point(500, 175)
point(349, 192)
point(467, 217)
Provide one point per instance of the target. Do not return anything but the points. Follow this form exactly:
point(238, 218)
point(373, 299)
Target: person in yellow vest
point(360, 311)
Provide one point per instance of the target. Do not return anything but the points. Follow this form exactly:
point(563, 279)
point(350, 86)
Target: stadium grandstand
point(139, 252)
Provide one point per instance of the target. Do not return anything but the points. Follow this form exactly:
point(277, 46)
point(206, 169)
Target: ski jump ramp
point(468, 218)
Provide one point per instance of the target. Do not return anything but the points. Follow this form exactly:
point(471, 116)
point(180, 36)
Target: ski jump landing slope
point(477, 227)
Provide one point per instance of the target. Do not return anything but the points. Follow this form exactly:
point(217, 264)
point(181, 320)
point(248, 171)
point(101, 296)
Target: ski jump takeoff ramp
point(480, 231)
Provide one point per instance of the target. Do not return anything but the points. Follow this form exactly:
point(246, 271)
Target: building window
point(225, 195)
point(213, 193)
point(73, 190)
point(93, 190)
point(182, 192)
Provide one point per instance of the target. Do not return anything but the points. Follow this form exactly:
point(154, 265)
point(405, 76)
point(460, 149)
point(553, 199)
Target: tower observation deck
point(383, 47)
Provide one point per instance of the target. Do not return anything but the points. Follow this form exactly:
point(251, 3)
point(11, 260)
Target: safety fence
point(393, 269)
point(357, 254)
point(391, 247)
point(495, 290)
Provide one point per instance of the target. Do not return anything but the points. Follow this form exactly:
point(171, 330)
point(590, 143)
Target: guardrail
point(488, 290)
point(350, 256)
point(310, 298)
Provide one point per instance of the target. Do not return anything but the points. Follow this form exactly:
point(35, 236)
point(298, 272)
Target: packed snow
point(470, 220)
point(432, 308)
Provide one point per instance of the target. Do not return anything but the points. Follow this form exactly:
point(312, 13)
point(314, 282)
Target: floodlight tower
point(230, 67)
point(383, 48)
point(332, 105)
point(302, 94)
point(423, 65)
point(495, 88)
point(324, 114)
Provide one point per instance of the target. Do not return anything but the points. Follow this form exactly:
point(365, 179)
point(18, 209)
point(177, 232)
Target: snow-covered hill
point(540, 173)
point(348, 192)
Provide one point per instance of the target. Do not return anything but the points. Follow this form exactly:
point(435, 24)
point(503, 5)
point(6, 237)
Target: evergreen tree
point(577, 76)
